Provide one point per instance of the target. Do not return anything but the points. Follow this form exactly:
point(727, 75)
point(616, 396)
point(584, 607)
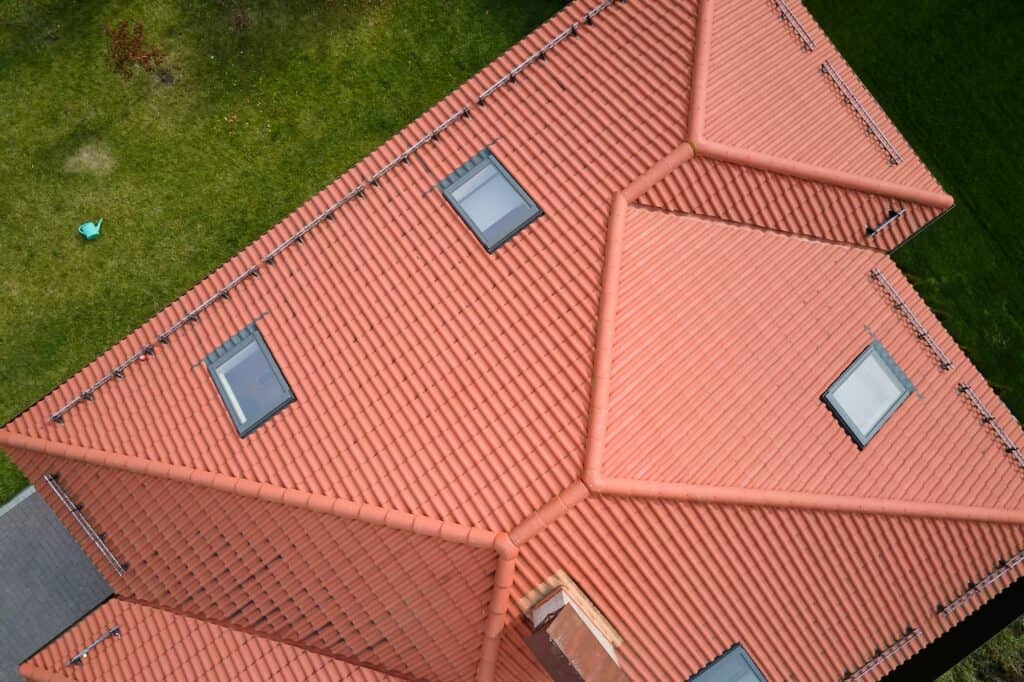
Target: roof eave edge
point(30, 671)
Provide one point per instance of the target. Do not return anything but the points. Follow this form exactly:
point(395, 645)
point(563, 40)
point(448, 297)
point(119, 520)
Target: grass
point(1001, 659)
point(185, 174)
point(188, 173)
point(948, 73)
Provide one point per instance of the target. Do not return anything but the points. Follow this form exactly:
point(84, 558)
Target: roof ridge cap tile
point(781, 499)
point(501, 596)
point(605, 334)
point(766, 162)
point(699, 78)
point(725, 222)
point(447, 531)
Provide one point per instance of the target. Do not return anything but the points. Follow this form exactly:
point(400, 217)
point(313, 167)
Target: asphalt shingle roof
point(46, 581)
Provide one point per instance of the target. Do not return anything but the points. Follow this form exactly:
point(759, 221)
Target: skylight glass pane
point(248, 379)
point(868, 392)
point(489, 200)
point(251, 383)
point(488, 197)
point(735, 665)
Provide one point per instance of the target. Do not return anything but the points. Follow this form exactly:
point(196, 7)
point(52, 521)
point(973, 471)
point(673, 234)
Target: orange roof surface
point(158, 644)
point(627, 393)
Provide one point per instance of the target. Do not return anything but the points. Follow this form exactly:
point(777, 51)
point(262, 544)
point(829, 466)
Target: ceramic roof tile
point(774, 201)
point(758, 64)
point(810, 595)
point(393, 600)
point(628, 394)
point(155, 644)
point(750, 328)
point(391, 314)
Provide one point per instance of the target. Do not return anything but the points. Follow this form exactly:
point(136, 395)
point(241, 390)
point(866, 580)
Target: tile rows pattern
point(750, 328)
point(759, 65)
point(160, 645)
point(392, 600)
point(752, 196)
point(437, 381)
point(811, 595)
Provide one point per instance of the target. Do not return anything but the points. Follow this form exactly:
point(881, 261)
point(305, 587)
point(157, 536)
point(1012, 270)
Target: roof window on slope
point(249, 381)
point(867, 393)
point(489, 200)
point(735, 665)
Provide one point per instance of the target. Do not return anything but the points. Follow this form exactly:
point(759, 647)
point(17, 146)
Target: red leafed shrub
point(125, 51)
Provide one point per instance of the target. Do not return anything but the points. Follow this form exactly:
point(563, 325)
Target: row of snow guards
point(900, 305)
point(573, 30)
point(882, 655)
point(90, 532)
point(786, 15)
point(870, 126)
point(974, 588)
point(987, 417)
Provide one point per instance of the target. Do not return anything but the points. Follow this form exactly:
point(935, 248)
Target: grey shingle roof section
point(46, 581)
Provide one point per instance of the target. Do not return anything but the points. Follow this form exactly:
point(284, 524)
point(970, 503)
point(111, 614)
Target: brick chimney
point(568, 644)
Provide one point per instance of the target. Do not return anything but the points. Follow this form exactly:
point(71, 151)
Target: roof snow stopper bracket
point(882, 655)
point(80, 657)
point(890, 218)
point(90, 532)
point(988, 418)
point(900, 306)
point(870, 126)
point(974, 588)
point(786, 15)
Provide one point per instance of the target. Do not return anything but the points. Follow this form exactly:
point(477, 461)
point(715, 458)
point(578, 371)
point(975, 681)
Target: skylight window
point(867, 393)
point(489, 200)
point(735, 665)
point(249, 381)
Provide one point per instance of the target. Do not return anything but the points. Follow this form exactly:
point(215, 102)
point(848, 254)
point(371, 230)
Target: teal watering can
point(90, 230)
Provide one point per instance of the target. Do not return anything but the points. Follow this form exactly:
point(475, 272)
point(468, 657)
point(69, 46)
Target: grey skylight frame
point(247, 337)
point(510, 225)
point(877, 350)
point(726, 664)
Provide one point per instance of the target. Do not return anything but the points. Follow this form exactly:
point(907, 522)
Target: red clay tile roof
point(629, 390)
point(757, 65)
point(741, 330)
point(159, 645)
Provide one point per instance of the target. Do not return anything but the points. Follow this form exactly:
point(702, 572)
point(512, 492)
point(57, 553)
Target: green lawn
point(185, 174)
point(256, 120)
